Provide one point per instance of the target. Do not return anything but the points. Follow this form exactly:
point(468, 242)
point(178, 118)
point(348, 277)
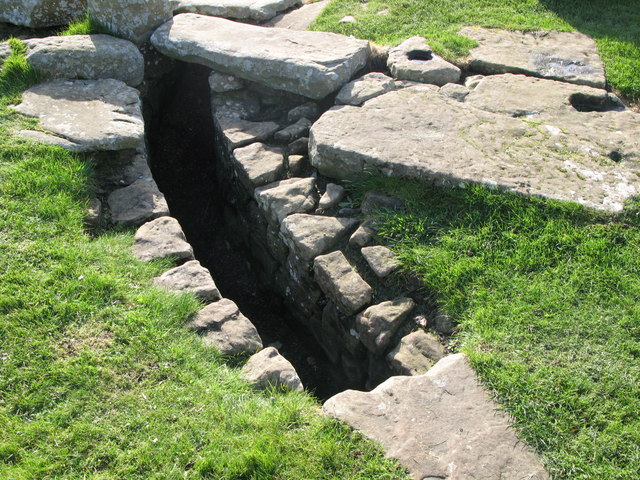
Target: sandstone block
point(256, 10)
point(381, 260)
point(161, 238)
point(282, 198)
point(257, 164)
point(311, 235)
point(138, 203)
point(416, 353)
point(268, 368)
point(414, 60)
point(364, 88)
point(41, 13)
point(190, 277)
point(377, 324)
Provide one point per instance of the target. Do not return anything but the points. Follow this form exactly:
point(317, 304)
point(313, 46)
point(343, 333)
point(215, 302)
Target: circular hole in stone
point(423, 55)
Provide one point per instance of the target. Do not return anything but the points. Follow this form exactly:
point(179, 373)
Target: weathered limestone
point(86, 57)
point(377, 324)
point(226, 329)
point(41, 13)
point(134, 20)
point(190, 277)
point(567, 56)
point(414, 60)
point(381, 260)
point(279, 199)
point(332, 196)
point(268, 368)
point(312, 64)
point(92, 114)
point(364, 88)
point(439, 425)
point(528, 135)
point(416, 353)
point(341, 283)
point(311, 235)
point(161, 238)
point(258, 164)
point(257, 10)
point(138, 203)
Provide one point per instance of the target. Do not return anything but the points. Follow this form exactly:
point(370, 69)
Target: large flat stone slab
point(524, 134)
point(41, 13)
point(440, 425)
point(312, 64)
point(92, 114)
point(257, 10)
point(567, 56)
point(86, 57)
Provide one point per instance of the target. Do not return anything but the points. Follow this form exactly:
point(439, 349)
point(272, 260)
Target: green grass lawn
point(614, 24)
point(547, 296)
point(98, 377)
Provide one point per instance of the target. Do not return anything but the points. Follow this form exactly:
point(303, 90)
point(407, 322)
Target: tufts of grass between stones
point(98, 377)
point(614, 25)
point(547, 296)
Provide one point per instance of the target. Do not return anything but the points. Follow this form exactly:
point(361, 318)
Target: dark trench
point(181, 140)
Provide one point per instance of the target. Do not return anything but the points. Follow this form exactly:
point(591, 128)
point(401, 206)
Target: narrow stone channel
point(181, 139)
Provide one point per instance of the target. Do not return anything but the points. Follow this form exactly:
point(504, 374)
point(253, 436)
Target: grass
point(547, 298)
point(98, 377)
point(614, 24)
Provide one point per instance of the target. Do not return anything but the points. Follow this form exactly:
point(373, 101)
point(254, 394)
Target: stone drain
point(247, 161)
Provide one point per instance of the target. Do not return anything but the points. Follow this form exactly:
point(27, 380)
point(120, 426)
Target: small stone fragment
point(293, 132)
point(311, 235)
point(348, 19)
point(240, 133)
point(414, 60)
point(298, 165)
point(161, 238)
point(86, 57)
point(306, 110)
point(377, 324)
point(190, 277)
point(299, 146)
point(374, 201)
point(226, 329)
point(341, 283)
point(138, 203)
point(222, 82)
point(368, 86)
point(268, 368)
point(416, 353)
point(282, 198)
point(332, 196)
point(363, 236)
point(93, 216)
point(258, 164)
point(473, 81)
point(381, 260)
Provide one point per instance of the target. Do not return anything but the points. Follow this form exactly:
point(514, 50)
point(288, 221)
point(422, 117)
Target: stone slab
point(190, 277)
point(258, 164)
point(413, 60)
point(381, 260)
point(341, 283)
point(239, 133)
point(364, 88)
point(257, 10)
point(161, 238)
point(86, 57)
point(312, 64)
point(41, 13)
point(300, 18)
point(416, 353)
point(567, 56)
point(134, 20)
point(440, 425)
point(311, 235)
point(528, 135)
point(378, 323)
point(93, 114)
point(137, 203)
point(282, 198)
point(224, 327)
point(268, 368)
